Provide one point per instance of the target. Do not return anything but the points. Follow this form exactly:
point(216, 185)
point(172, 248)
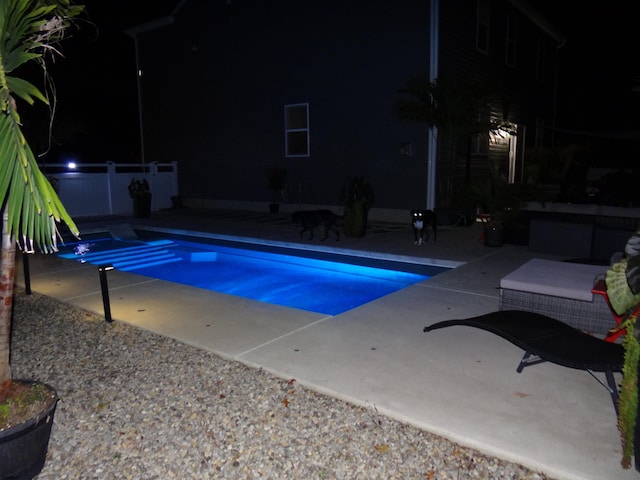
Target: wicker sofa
point(560, 290)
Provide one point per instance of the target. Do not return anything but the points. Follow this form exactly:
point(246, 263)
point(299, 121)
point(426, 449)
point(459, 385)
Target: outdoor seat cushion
point(555, 278)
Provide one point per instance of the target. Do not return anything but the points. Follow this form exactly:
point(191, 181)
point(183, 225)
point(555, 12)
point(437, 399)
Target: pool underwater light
point(102, 270)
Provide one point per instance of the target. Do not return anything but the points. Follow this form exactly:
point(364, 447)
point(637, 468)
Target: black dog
point(312, 219)
point(421, 220)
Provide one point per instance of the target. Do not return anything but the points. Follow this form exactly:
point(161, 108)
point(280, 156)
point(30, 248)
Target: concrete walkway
point(459, 382)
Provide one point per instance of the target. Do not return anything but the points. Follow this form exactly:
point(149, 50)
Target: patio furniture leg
point(527, 361)
point(545, 339)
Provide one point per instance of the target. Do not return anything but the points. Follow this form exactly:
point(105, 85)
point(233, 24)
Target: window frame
point(296, 130)
point(483, 21)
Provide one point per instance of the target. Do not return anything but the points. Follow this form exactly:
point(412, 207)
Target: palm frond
point(28, 30)
point(25, 90)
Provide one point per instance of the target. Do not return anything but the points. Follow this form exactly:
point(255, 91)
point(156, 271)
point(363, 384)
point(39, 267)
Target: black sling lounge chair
point(545, 339)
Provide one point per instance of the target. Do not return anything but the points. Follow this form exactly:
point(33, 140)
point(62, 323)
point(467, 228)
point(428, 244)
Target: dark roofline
point(536, 17)
point(157, 23)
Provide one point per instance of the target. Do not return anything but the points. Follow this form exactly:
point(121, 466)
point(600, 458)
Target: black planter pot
point(355, 220)
point(493, 236)
point(23, 448)
point(142, 205)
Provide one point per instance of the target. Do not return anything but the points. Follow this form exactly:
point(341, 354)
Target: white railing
point(98, 189)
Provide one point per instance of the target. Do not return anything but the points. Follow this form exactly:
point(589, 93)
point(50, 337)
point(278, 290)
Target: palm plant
point(458, 109)
point(30, 31)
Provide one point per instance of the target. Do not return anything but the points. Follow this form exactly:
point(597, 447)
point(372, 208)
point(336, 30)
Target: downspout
point(133, 33)
point(432, 141)
point(139, 87)
point(561, 43)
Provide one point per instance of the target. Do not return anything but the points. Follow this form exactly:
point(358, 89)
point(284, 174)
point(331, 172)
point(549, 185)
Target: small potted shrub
point(357, 198)
point(276, 182)
point(500, 203)
point(140, 193)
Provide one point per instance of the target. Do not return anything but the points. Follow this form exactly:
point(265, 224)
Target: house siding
point(524, 98)
point(216, 82)
point(214, 100)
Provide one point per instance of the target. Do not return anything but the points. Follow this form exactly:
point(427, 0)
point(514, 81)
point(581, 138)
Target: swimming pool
point(312, 284)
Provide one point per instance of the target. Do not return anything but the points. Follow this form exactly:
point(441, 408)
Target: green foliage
point(458, 108)
point(628, 400)
point(357, 198)
point(623, 289)
point(623, 278)
point(498, 198)
point(139, 188)
point(357, 191)
point(277, 181)
point(29, 30)
point(17, 406)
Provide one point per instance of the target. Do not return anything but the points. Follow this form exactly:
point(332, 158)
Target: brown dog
point(312, 219)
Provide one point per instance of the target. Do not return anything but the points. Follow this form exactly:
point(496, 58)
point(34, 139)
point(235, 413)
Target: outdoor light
point(71, 165)
point(102, 270)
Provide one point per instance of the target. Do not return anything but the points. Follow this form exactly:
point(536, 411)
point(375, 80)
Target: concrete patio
point(458, 382)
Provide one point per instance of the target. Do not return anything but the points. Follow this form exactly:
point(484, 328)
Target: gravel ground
point(136, 405)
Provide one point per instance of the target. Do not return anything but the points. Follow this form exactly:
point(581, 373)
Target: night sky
point(600, 62)
point(98, 98)
point(97, 114)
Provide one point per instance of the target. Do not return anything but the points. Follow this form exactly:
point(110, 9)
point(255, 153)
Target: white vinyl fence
point(98, 189)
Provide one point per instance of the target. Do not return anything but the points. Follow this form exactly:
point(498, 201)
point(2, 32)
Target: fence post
point(111, 174)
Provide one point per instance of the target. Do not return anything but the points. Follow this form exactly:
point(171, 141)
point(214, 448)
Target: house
point(231, 88)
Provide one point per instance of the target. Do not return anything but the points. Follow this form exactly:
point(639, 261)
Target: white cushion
point(558, 279)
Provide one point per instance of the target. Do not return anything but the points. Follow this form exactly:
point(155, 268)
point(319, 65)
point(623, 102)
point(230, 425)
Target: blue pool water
point(312, 284)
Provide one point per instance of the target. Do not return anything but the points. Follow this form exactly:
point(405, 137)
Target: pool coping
point(306, 247)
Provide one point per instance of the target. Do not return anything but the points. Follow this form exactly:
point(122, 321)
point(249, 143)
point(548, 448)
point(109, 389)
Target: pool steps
point(131, 258)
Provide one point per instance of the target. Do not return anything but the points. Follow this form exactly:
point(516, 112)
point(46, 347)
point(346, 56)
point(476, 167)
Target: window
point(296, 130)
point(479, 142)
point(480, 145)
point(540, 60)
point(510, 54)
point(482, 26)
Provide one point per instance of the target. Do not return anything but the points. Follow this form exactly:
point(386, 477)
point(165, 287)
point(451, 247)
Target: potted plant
point(623, 290)
point(140, 193)
point(276, 182)
point(357, 198)
point(29, 30)
point(499, 203)
point(496, 202)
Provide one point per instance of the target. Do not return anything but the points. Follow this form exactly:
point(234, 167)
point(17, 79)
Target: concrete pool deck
point(458, 382)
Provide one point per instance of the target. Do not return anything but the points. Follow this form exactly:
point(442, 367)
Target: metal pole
point(139, 86)
point(432, 146)
point(27, 275)
point(103, 269)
